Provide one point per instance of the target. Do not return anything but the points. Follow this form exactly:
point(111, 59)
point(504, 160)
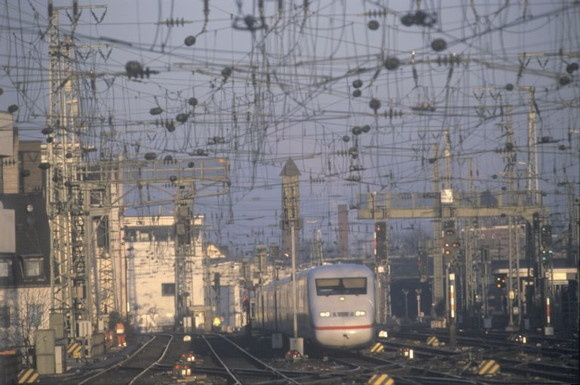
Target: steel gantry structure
point(85, 199)
point(70, 302)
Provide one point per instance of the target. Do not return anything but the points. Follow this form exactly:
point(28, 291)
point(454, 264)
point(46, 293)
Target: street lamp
point(405, 291)
point(419, 315)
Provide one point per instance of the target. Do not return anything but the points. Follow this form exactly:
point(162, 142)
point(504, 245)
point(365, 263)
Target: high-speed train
point(335, 306)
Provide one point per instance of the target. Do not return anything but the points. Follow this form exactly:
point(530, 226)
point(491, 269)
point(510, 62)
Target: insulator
point(564, 80)
point(449, 60)
point(424, 19)
point(438, 45)
point(156, 110)
point(393, 113)
point(189, 41)
point(419, 17)
point(377, 13)
point(47, 130)
point(408, 20)
point(134, 69)
point(182, 118)
point(248, 23)
point(373, 25)
point(174, 22)
point(392, 63)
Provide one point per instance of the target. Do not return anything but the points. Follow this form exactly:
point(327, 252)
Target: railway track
point(527, 363)
point(138, 368)
point(238, 366)
point(149, 362)
point(241, 360)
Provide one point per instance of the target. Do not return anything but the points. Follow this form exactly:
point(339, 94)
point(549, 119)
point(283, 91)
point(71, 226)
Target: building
point(24, 251)
point(25, 299)
point(150, 268)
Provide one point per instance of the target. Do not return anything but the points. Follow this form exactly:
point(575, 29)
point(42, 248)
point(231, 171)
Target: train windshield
point(341, 286)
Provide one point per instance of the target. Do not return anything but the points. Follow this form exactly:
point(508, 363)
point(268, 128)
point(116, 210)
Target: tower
point(290, 206)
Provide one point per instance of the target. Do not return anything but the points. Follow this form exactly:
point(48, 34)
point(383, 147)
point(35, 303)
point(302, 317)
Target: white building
point(150, 265)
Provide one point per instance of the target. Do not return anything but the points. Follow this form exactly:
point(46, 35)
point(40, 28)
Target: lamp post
point(406, 292)
point(294, 295)
point(419, 316)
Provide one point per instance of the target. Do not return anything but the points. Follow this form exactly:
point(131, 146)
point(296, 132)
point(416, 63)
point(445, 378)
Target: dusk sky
point(358, 93)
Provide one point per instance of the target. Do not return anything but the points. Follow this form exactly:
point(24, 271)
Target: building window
point(33, 267)
point(5, 268)
point(167, 289)
point(34, 314)
point(4, 316)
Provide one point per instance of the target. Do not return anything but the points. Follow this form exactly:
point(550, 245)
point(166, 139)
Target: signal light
point(500, 281)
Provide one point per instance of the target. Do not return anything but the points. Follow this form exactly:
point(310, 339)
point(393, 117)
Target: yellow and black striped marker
point(487, 367)
point(377, 348)
point(380, 379)
point(74, 350)
point(432, 341)
point(28, 376)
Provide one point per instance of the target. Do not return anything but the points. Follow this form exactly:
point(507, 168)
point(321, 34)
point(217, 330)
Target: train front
point(342, 305)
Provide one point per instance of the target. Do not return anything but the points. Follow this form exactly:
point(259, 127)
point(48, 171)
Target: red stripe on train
point(343, 327)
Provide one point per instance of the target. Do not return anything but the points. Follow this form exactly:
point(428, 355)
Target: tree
point(28, 311)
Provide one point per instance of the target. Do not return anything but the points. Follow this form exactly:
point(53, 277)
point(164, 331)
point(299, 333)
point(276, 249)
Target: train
point(335, 306)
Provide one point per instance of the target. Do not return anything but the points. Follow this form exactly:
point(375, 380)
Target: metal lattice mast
point(513, 278)
point(184, 250)
point(438, 288)
point(64, 195)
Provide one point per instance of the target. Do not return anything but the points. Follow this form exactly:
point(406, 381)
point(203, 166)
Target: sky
point(362, 95)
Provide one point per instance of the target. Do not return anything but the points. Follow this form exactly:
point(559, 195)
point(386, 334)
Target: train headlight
point(360, 313)
point(325, 314)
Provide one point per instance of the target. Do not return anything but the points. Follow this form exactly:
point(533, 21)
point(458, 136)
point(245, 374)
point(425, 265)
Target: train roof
point(341, 269)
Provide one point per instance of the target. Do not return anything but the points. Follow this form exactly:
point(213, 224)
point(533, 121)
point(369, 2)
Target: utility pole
point(184, 250)
point(290, 222)
point(438, 288)
point(69, 262)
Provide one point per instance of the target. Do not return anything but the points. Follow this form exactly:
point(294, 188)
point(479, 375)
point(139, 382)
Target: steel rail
point(129, 357)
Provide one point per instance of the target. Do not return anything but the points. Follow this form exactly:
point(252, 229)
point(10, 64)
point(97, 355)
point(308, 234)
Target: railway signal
point(500, 281)
point(381, 241)
point(451, 242)
point(546, 243)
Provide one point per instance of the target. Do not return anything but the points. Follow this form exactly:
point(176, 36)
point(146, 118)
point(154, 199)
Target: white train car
point(335, 306)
